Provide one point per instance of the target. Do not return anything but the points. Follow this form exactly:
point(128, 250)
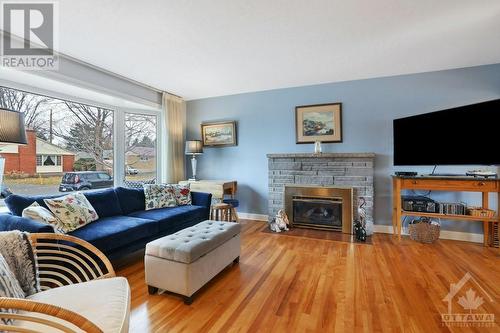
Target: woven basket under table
point(424, 232)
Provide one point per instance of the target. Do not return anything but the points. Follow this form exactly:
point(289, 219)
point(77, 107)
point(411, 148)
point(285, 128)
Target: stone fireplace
point(324, 187)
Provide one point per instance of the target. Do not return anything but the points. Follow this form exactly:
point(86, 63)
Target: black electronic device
point(458, 136)
point(406, 173)
point(418, 203)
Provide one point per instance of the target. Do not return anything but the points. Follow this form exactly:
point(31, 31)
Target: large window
point(68, 144)
point(140, 149)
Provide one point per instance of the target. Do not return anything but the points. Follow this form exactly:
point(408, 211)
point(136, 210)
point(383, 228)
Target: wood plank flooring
point(293, 284)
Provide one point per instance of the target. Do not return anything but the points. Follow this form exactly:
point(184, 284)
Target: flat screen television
point(466, 135)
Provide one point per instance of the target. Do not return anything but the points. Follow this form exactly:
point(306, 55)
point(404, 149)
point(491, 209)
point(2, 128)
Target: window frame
point(119, 113)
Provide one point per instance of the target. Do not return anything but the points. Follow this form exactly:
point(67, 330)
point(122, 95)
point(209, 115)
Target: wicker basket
point(424, 232)
point(480, 212)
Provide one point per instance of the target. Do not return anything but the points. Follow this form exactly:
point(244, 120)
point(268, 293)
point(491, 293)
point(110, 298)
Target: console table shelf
point(450, 217)
point(448, 184)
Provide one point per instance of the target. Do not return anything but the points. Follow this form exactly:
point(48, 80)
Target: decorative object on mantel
point(360, 223)
point(11, 131)
point(222, 134)
point(424, 230)
point(193, 148)
point(320, 122)
point(280, 222)
point(317, 147)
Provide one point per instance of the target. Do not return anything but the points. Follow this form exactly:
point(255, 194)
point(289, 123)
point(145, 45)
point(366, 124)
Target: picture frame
point(219, 134)
point(318, 122)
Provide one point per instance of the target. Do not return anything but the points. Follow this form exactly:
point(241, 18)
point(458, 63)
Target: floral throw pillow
point(159, 196)
point(42, 214)
point(182, 194)
point(73, 211)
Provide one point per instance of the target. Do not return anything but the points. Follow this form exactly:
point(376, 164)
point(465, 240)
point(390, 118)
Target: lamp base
point(193, 179)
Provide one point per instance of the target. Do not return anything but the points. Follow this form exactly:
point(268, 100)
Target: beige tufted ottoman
point(184, 262)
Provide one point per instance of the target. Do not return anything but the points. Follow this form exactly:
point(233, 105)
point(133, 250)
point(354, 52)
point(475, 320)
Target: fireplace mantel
point(353, 170)
point(322, 155)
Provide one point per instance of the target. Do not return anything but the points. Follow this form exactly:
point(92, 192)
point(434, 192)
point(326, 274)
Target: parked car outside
point(132, 171)
point(4, 192)
point(85, 180)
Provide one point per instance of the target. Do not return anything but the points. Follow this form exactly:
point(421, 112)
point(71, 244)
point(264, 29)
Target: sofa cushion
point(110, 233)
point(131, 199)
point(104, 302)
point(171, 217)
point(17, 203)
point(191, 243)
point(105, 202)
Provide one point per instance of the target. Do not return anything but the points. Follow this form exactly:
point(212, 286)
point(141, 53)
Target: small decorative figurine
point(280, 222)
point(360, 224)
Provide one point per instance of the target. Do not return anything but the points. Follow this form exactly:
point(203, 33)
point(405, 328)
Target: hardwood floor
point(292, 284)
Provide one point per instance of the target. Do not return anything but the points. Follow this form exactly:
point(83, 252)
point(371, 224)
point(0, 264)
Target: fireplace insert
point(317, 212)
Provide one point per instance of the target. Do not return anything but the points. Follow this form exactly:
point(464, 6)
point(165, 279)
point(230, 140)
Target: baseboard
point(445, 234)
point(251, 216)
point(387, 229)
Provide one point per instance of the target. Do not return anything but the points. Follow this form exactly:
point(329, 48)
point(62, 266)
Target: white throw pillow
point(159, 196)
point(43, 215)
point(73, 210)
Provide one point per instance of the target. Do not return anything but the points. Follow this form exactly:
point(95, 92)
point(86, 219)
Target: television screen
point(467, 135)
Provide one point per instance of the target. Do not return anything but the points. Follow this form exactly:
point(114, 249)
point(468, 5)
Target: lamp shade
point(194, 147)
point(12, 127)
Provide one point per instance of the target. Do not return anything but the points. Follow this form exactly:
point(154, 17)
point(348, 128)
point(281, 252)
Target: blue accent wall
point(266, 124)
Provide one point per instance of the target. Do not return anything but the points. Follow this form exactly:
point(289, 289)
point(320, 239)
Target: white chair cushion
point(105, 302)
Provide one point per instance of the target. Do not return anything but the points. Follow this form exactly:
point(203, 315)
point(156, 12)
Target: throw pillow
point(73, 211)
point(182, 194)
point(159, 196)
point(9, 287)
point(42, 214)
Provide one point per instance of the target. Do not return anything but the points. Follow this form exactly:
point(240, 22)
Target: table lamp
point(193, 148)
point(11, 131)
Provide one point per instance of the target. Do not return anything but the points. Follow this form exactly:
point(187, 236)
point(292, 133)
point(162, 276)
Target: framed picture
point(320, 122)
point(221, 134)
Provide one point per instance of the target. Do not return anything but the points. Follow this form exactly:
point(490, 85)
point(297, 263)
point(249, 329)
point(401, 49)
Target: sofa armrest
point(10, 222)
point(201, 199)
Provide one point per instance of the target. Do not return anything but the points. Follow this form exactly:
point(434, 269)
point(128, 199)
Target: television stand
point(449, 184)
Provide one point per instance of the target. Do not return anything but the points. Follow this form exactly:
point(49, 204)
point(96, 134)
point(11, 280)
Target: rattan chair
point(63, 260)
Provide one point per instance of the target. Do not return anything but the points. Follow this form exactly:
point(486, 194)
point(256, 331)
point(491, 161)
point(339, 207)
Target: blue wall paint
point(266, 124)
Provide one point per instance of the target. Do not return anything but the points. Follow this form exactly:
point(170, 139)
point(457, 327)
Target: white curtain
point(175, 123)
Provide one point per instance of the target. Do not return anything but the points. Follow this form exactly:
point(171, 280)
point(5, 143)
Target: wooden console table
point(218, 188)
point(447, 184)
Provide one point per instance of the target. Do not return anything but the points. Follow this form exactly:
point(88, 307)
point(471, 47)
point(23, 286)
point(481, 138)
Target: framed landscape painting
point(320, 122)
point(221, 134)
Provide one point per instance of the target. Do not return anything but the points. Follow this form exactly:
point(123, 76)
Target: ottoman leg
point(188, 300)
point(237, 260)
point(152, 290)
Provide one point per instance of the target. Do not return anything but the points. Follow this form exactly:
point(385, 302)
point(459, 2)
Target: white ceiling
point(204, 48)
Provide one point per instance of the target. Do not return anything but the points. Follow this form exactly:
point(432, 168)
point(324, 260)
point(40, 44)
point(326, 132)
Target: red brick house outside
point(36, 157)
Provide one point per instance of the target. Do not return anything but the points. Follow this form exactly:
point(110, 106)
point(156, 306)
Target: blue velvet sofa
point(124, 226)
